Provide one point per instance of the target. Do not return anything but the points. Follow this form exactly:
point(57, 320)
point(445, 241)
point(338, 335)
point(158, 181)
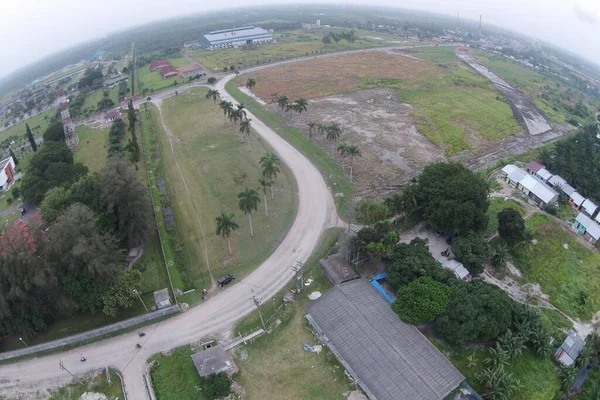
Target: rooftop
point(539, 188)
point(237, 33)
point(544, 174)
point(211, 361)
point(535, 166)
point(577, 199)
point(389, 358)
point(4, 162)
point(591, 227)
point(458, 268)
point(589, 206)
point(338, 269)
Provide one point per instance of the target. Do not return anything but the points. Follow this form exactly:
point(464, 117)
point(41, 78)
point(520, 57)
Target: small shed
point(588, 228)
point(544, 174)
point(458, 268)
point(112, 115)
point(534, 166)
point(161, 298)
point(568, 352)
point(212, 361)
point(589, 208)
point(576, 200)
point(338, 269)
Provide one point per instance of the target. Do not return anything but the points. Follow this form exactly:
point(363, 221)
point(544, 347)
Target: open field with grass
point(153, 81)
point(34, 122)
point(497, 205)
point(91, 150)
point(175, 376)
point(94, 382)
point(456, 109)
point(562, 266)
point(292, 44)
point(90, 105)
point(551, 94)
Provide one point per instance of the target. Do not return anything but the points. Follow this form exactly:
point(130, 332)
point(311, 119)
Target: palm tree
point(282, 101)
point(245, 127)
point(270, 164)
point(500, 256)
point(251, 83)
point(321, 128)
point(226, 106)
point(265, 184)
point(213, 94)
point(249, 202)
point(241, 109)
point(342, 149)
point(226, 224)
point(352, 151)
point(311, 127)
point(333, 132)
point(301, 105)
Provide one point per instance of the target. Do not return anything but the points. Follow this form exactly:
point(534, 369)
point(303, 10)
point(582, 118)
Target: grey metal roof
point(338, 269)
point(576, 198)
point(390, 359)
point(589, 206)
point(591, 227)
point(539, 188)
point(211, 361)
point(237, 34)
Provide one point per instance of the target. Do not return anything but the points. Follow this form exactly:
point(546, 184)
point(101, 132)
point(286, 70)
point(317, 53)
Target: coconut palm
point(225, 225)
point(321, 128)
point(213, 94)
point(500, 256)
point(241, 109)
point(333, 132)
point(352, 151)
point(250, 83)
point(270, 164)
point(265, 184)
point(282, 102)
point(226, 106)
point(300, 105)
point(245, 127)
point(311, 127)
point(249, 202)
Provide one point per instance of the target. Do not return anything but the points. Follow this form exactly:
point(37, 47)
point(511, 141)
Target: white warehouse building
point(235, 37)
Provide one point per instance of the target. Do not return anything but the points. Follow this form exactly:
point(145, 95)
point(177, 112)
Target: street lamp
point(140, 297)
point(21, 339)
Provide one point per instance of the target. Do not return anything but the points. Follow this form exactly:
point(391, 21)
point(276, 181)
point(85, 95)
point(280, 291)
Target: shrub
point(216, 385)
point(212, 80)
point(422, 300)
point(369, 211)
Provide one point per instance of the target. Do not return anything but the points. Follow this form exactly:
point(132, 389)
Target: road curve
point(316, 211)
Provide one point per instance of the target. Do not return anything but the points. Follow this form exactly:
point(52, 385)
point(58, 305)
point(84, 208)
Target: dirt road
point(316, 211)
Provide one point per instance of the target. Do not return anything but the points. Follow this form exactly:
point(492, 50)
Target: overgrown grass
point(337, 179)
point(563, 273)
point(91, 150)
point(90, 105)
point(34, 122)
point(440, 54)
point(497, 205)
point(205, 170)
point(175, 376)
point(96, 384)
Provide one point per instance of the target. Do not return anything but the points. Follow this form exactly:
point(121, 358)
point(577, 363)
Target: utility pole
point(299, 278)
point(140, 297)
point(257, 303)
point(21, 339)
point(62, 367)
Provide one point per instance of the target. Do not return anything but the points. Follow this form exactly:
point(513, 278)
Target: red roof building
point(159, 64)
point(169, 71)
point(20, 233)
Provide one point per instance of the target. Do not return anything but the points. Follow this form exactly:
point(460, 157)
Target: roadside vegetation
point(94, 382)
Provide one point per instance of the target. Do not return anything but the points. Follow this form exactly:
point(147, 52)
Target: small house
point(588, 228)
point(588, 207)
point(576, 200)
point(534, 166)
point(212, 361)
point(112, 115)
point(458, 268)
point(568, 352)
point(169, 71)
point(559, 183)
point(512, 175)
point(156, 65)
point(537, 190)
point(544, 174)
point(188, 72)
point(161, 298)
point(7, 173)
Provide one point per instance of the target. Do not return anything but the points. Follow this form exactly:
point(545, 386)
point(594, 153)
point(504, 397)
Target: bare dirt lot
point(384, 130)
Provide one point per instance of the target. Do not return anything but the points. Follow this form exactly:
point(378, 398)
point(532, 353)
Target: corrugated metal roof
point(591, 227)
point(539, 188)
point(509, 168)
point(557, 180)
point(392, 359)
point(576, 198)
point(544, 174)
point(517, 175)
point(589, 206)
point(237, 34)
point(458, 268)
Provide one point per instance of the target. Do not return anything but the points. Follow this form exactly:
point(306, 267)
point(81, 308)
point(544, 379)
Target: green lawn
point(90, 105)
point(7, 220)
point(91, 150)
point(333, 173)
point(439, 54)
point(38, 125)
point(562, 272)
point(7, 198)
point(497, 205)
point(96, 384)
point(153, 81)
point(290, 45)
point(175, 376)
point(216, 166)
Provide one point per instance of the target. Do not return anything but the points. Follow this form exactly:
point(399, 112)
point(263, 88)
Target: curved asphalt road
point(316, 211)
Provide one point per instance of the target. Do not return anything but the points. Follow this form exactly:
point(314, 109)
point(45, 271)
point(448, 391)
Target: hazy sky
point(32, 29)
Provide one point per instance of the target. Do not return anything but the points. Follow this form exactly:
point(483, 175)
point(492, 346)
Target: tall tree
point(511, 226)
point(270, 164)
point(13, 155)
point(422, 300)
point(227, 108)
point(333, 132)
point(245, 127)
point(352, 151)
point(250, 83)
point(472, 250)
point(225, 225)
point(311, 127)
point(213, 94)
point(133, 145)
point(30, 137)
point(301, 105)
point(248, 202)
point(265, 184)
point(54, 132)
point(282, 102)
point(55, 202)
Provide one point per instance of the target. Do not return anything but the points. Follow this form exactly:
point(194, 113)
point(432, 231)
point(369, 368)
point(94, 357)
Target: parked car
point(224, 280)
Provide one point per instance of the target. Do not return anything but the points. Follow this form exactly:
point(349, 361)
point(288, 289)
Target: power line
point(62, 367)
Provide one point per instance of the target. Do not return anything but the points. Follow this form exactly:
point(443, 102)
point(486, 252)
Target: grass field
point(457, 110)
point(175, 376)
point(38, 125)
point(337, 179)
point(90, 105)
point(497, 205)
point(216, 166)
point(91, 150)
point(95, 384)
point(153, 81)
point(563, 273)
point(290, 45)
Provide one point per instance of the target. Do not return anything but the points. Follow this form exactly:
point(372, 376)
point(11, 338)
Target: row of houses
point(167, 70)
point(531, 185)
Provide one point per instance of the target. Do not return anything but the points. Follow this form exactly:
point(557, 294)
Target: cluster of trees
point(106, 102)
point(115, 137)
point(91, 79)
point(235, 113)
point(336, 37)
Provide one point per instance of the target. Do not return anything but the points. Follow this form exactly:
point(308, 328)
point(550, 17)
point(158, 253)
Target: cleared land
point(91, 150)
point(291, 45)
point(562, 266)
point(215, 165)
point(96, 383)
point(153, 81)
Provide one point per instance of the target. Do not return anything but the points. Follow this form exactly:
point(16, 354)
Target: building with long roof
point(235, 37)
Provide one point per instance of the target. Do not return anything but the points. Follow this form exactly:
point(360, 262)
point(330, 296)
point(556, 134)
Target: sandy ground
point(393, 150)
point(215, 317)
